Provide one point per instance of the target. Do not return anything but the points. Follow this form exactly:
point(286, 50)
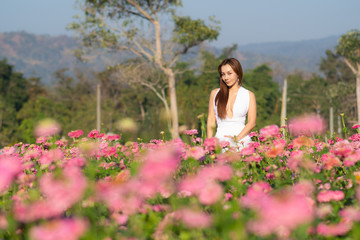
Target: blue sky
point(242, 21)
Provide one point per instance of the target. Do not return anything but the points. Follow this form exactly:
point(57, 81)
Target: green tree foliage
point(119, 25)
point(267, 94)
point(349, 48)
point(14, 93)
point(341, 86)
point(303, 95)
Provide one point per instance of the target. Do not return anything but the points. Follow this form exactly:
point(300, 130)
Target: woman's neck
point(234, 88)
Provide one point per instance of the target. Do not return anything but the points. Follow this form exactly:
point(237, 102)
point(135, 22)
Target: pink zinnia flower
point(327, 196)
point(112, 137)
point(51, 156)
point(64, 229)
point(211, 143)
point(329, 161)
point(195, 152)
point(93, 134)
point(76, 133)
point(307, 125)
point(270, 132)
point(356, 126)
point(191, 132)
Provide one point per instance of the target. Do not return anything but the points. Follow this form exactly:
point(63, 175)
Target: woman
point(229, 105)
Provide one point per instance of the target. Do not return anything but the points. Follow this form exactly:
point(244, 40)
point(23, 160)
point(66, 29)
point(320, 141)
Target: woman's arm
point(251, 116)
point(211, 121)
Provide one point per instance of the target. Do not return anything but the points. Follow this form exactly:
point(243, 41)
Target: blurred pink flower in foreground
point(76, 133)
point(191, 132)
point(9, 168)
point(279, 213)
point(47, 127)
point(59, 195)
point(204, 184)
point(327, 196)
point(339, 229)
point(307, 125)
point(63, 229)
point(194, 219)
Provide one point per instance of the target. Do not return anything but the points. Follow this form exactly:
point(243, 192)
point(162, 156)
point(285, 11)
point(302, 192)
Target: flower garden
point(290, 183)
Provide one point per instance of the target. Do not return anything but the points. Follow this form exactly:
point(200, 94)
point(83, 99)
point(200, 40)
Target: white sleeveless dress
point(233, 126)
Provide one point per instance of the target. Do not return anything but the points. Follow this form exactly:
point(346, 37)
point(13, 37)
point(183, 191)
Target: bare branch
point(142, 11)
point(349, 65)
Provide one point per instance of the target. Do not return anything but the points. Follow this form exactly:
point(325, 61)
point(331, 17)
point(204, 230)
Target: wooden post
point(98, 112)
point(331, 121)
point(283, 105)
point(339, 127)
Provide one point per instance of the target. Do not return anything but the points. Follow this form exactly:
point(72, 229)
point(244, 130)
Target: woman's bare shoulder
point(214, 91)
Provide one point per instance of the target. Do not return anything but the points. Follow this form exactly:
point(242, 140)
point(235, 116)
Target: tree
point(340, 85)
point(118, 25)
point(349, 48)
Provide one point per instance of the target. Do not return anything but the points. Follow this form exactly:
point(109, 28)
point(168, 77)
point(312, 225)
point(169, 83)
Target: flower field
point(288, 184)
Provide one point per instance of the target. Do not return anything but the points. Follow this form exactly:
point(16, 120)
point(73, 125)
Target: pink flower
point(51, 156)
point(350, 213)
point(194, 219)
point(270, 132)
point(41, 139)
point(195, 152)
point(63, 229)
point(279, 213)
point(191, 132)
point(9, 168)
point(253, 158)
point(253, 134)
point(329, 161)
point(356, 126)
point(333, 230)
point(8, 151)
point(59, 195)
point(247, 151)
point(211, 143)
point(75, 134)
point(93, 134)
point(112, 137)
point(47, 127)
point(343, 148)
point(204, 183)
point(307, 125)
point(123, 197)
point(355, 137)
point(327, 196)
point(224, 144)
point(61, 142)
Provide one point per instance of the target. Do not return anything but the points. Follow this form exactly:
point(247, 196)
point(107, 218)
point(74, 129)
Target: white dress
point(233, 126)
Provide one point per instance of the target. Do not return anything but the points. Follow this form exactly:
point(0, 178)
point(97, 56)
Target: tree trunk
point(173, 104)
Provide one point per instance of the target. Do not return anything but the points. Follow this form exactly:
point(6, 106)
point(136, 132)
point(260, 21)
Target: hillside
point(42, 55)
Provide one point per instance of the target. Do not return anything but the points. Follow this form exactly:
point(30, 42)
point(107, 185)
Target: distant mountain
point(296, 55)
point(42, 55)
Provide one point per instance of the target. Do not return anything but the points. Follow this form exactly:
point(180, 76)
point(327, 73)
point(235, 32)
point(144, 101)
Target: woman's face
point(228, 75)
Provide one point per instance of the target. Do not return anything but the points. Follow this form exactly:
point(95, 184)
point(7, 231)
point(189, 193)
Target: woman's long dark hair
point(223, 95)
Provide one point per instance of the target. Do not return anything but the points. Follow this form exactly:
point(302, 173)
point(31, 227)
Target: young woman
point(229, 105)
